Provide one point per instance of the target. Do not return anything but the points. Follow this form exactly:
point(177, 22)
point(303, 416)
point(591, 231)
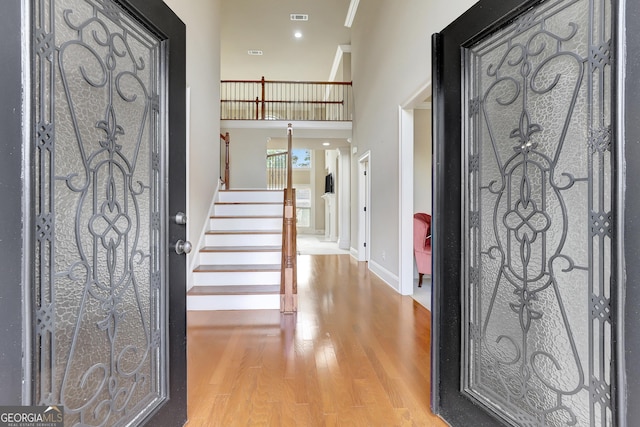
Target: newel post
point(226, 161)
point(288, 279)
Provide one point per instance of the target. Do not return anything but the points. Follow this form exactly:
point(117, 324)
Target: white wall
point(203, 78)
point(422, 161)
point(247, 161)
point(247, 149)
point(390, 62)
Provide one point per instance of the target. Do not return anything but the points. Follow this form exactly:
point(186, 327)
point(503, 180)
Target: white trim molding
point(385, 275)
point(351, 13)
point(364, 199)
point(405, 191)
point(344, 197)
point(282, 124)
point(342, 49)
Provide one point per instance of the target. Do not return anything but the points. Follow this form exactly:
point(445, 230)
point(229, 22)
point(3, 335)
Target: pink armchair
point(422, 244)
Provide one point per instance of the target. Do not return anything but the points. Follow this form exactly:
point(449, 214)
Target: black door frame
point(16, 224)
point(447, 401)
point(158, 17)
point(629, 268)
point(11, 243)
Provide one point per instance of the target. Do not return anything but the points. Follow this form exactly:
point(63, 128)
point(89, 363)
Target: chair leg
point(420, 279)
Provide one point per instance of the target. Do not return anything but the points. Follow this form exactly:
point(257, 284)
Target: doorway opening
point(414, 188)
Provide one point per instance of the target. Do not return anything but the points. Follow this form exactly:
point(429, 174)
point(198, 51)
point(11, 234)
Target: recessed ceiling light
point(298, 34)
point(326, 144)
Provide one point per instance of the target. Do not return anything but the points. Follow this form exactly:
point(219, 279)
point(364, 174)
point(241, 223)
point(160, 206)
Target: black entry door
point(528, 230)
point(107, 177)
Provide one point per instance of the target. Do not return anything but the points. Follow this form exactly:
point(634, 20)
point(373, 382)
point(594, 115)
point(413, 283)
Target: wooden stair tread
point(241, 249)
point(237, 268)
point(235, 290)
point(244, 232)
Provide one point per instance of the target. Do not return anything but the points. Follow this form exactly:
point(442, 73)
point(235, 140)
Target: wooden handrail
point(289, 82)
point(277, 154)
point(288, 278)
point(226, 140)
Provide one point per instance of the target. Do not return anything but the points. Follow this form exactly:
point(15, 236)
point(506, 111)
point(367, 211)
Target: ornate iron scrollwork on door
point(99, 171)
point(538, 234)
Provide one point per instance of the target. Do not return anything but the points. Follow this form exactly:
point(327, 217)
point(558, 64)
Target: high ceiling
point(266, 25)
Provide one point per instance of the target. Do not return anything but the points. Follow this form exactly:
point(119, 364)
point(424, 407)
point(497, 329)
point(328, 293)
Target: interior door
point(525, 259)
point(108, 299)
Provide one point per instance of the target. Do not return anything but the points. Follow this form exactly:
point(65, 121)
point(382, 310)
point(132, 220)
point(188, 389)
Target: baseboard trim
point(385, 275)
point(354, 253)
point(344, 244)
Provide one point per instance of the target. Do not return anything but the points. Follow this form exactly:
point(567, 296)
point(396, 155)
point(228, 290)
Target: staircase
point(239, 267)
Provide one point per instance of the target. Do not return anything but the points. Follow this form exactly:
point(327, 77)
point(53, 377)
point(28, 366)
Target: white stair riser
point(236, 278)
point(233, 302)
point(245, 223)
point(243, 239)
point(251, 196)
point(247, 210)
point(232, 258)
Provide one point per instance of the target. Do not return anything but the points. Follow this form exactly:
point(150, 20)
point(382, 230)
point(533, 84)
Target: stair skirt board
point(233, 302)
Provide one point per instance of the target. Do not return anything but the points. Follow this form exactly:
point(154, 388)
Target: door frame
point(364, 200)
point(15, 333)
point(405, 205)
point(628, 206)
point(406, 186)
point(447, 203)
point(173, 32)
point(16, 169)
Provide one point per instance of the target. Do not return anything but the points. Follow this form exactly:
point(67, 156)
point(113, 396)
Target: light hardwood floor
point(356, 354)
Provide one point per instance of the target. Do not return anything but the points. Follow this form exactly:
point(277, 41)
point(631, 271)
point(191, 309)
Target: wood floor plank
point(356, 354)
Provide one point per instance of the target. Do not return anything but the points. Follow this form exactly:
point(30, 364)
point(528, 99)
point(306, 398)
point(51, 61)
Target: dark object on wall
point(328, 183)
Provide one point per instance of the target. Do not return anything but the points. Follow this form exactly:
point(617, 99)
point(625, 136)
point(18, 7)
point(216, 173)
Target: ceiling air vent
point(299, 17)
point(254, 52)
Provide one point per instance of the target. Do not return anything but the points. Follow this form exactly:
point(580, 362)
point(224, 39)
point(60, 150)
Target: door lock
point(180, 218)
point(183, 247)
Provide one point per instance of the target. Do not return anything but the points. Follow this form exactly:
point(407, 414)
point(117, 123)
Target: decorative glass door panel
point(537, 334)
point(99, 299)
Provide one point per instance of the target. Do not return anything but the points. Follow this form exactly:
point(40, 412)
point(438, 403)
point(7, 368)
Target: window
point(303, 206)
point(277, 179)
point(301, 158)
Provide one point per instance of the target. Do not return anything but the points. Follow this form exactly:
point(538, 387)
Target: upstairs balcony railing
point(285, 100)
